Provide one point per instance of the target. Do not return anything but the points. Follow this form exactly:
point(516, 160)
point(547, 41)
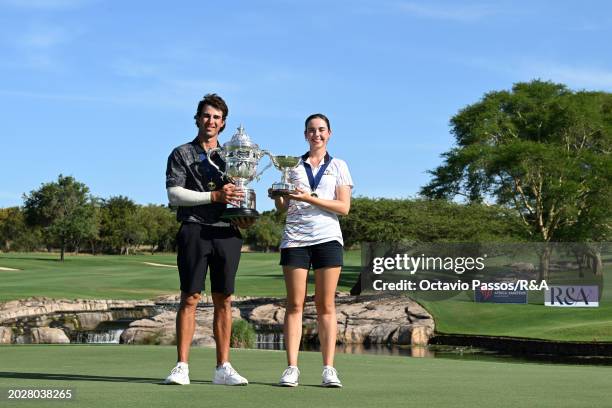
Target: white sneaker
point(330, 378)
point(290, 377)
point(226, 375)
point(179, 375)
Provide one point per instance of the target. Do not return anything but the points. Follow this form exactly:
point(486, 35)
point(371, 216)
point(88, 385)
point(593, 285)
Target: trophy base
point(282, 189)
point(231, 214)
point(281, 193)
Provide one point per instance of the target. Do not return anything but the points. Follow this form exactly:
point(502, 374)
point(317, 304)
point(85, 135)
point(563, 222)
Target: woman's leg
point(295, 282)
point(326, 281)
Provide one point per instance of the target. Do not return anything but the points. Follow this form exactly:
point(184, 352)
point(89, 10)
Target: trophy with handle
point(285, 164)
point(241, 157)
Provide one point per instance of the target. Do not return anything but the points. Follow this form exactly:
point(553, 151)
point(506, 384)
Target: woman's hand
point(301, 195)
point(281, 202)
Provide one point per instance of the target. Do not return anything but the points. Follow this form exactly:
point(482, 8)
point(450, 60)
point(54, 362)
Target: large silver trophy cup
point(285, 164)
point(241, 157)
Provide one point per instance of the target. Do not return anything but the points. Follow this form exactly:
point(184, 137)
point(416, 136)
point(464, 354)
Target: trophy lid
point(240, 139)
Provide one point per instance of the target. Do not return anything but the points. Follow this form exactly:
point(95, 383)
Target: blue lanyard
point(312, 179)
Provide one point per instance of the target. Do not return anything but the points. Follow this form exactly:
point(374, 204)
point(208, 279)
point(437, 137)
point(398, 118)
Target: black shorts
point(319, 256)
point(202, 246)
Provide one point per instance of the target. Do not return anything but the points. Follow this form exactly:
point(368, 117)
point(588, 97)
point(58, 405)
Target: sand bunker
point(2, 268)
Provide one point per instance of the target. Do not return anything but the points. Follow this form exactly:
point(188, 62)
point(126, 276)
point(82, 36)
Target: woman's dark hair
point(314, 116)
point(214, 101)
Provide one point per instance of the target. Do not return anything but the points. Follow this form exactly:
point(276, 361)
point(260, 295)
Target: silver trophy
point(241, 157)
point(285, 164)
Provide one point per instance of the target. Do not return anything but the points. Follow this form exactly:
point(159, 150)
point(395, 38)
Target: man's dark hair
point(314, 116)
point(214, 101)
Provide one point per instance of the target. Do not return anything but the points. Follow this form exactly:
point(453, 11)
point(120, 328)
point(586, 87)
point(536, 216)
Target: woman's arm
point(280, 202)
point(341, 205)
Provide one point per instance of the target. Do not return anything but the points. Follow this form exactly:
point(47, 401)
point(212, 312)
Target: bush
point(243, 334)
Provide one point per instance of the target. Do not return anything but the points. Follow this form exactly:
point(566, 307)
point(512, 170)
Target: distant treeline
point(63, 216)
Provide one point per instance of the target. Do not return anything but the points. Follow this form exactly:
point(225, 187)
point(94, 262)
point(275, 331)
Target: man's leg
point(222, 325)
point(185, 324)
point(223, 267)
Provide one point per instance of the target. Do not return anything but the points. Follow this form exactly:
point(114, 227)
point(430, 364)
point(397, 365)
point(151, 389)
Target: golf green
point(129, 376)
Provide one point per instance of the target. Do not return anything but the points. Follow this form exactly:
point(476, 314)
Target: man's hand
point(244, 222)
point(229, 194)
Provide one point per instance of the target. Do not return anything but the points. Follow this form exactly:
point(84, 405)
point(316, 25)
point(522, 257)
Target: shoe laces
point(177, 370)
point(330, 372)
point(290, 371)
point(229, 370)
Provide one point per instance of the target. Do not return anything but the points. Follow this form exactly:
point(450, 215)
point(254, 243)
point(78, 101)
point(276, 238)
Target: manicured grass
point(128, 277)
point(535, 321)
point(129, 376)
point(460, 315)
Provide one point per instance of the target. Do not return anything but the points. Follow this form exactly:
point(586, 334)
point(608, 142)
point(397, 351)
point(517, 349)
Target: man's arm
point(189, 198)
point(180, 196)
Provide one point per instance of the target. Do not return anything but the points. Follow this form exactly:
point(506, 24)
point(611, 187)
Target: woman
point(312, 237)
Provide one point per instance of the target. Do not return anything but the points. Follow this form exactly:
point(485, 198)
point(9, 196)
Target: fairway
point(137, 276)
point(114, 376)
point(148, 276)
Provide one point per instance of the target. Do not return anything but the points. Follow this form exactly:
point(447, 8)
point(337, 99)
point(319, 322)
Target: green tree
point(419, 220)
point(62, 209)
point(120, 229)
point(539, 149)
point(160, 226)
point(267, 232)
point(12, 225)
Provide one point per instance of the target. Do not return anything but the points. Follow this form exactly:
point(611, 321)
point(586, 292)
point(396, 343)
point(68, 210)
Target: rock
point(90, 320)
point(360, 320)
point(6, 335)
point(42, 306)
point(48, 335)
point(420, 335)
point(272, 314)
point(161, 329)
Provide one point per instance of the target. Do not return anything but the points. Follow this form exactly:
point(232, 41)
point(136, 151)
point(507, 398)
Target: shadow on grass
point(25, 258)
point(77, 377)
point(83, 377)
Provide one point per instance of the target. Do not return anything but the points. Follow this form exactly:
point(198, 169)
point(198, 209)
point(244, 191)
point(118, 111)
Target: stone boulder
point(40, 306)
point(363, 319)
point(48, 335)
point(6, 335)
point(161, 329)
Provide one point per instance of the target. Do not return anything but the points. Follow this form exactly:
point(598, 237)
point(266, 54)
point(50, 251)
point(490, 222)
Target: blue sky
point(103, 90)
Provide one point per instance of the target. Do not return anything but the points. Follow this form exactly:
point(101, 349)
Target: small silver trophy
point(285, 164)
point(241, 157)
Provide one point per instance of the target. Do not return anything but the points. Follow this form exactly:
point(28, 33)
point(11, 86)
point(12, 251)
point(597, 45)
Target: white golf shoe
point(179, 375)
point(290, 377)
point(226, 375)
point(330, 378)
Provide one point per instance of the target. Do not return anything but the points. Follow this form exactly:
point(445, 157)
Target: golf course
point(128, 375)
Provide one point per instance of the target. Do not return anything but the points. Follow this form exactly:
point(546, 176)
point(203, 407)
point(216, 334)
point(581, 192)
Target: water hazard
point(107, 327)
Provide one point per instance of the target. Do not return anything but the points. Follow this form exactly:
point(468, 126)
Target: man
point(204, 240)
